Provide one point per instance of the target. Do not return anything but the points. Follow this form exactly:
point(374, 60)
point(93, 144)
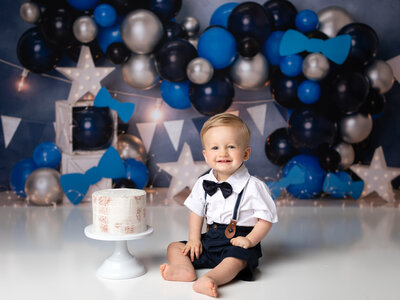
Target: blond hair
point(226, 119)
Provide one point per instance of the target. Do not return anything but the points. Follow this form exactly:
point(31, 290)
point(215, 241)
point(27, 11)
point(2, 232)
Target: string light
point(157, 113)
point(21, 83)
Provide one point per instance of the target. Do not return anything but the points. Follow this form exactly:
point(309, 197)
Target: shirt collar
point(237, 180)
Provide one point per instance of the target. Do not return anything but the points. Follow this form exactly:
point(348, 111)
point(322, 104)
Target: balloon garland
point(321, 66)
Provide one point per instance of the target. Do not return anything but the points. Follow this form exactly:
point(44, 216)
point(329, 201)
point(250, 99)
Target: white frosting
point(119, 211)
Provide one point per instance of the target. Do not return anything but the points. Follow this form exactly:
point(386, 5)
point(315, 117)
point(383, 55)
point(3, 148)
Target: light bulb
point(21, 83)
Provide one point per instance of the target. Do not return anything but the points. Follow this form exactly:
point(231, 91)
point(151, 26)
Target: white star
point(377, 176)
point(85, 77)
point(184, 172)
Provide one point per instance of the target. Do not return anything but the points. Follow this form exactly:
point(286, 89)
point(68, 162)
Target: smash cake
point(119, 211)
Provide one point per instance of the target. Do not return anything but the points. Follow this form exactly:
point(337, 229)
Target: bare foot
point(205, 285)
point(177, 273)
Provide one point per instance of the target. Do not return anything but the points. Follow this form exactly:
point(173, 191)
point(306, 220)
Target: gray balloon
point(29, 12)
point(250, 73)
point(85, 29)
point(380, 76)
point(141, 31)
point(355, 128)
point(315, 66)
point(43, 187)
point(199, 70)
point(332, 19)
point(347, 154)
point(191, 26)
point(140, 72)
point(130, 146)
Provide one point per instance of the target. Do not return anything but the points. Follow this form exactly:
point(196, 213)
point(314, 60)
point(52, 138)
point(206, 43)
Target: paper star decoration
point(184, 172)
point(377, 176)
point(85, 77)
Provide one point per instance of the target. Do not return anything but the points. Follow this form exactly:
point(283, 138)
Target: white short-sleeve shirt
point(256, 202)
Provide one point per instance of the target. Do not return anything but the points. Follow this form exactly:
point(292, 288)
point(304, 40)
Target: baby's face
point(224, 150)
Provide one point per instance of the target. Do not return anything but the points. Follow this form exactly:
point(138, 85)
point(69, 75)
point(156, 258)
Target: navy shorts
point(216, 247)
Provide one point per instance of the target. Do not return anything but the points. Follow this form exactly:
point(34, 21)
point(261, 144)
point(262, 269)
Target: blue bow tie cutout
point(295, 176)
point(104, 99)
point(340, 184)
point(76, 185)
point(336, 49)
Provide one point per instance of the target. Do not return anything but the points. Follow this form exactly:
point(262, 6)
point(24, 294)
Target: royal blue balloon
point(165, 9)
point(176, 94)
point(83, 4)
point(92, 128)
point(306, 20)
point(47, 155)
point(214, 97)
point(291, 65)
point(221, 15)
point(309, 91)
point(35, 54)
point(218, 46)
point(20, 173)
point(313, 176)
point(105, 15)
point(271, 48)
point(137, 172)
point(108, 35)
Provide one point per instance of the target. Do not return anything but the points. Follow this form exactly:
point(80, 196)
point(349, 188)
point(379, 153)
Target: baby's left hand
point(241, 241)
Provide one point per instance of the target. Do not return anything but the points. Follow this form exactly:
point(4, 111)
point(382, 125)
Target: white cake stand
point(121, 264)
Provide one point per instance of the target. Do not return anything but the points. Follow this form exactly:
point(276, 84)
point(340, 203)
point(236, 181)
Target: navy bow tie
point(211, 188)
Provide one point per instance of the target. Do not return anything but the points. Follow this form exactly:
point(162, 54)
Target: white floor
point(316, 251)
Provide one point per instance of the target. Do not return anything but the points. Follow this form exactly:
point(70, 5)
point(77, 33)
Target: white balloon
point(315, 66)
point(250, 73)
point(29, 12)
point(85, 29)
point(355, 128)
point(199, 70)
point(332, 19)
point(140, 72)
point(380, 76)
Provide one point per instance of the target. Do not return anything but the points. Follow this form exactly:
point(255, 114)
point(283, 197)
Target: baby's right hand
point(193, 248)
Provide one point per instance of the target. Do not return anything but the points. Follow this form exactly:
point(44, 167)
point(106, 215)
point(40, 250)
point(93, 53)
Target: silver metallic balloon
point(191, 26)
point(29, 12)
point(315, 66)
point(194, 42)
point(199, 70)
point(141, 30)
point(130, 146)
point(43, 187)
point(355, 128)
point(250, 73)
point(140, 71)
point(332, 19)
point(85, 29)
point(380, 76)
point(347, 154)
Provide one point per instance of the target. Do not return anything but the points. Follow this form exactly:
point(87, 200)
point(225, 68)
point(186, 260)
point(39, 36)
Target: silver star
point(377, 176)
point(85, 77)
point(184, 172)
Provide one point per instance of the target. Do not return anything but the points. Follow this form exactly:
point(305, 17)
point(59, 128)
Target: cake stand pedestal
point(121, 264)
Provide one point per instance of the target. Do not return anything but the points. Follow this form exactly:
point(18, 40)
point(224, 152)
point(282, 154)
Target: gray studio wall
point(36, 106)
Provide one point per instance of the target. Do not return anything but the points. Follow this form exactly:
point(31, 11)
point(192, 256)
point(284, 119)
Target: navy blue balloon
point(172, 59)
point(278, 148)
point(35, 54)
point(92, 128)
point(309, 91)
point(284, 89)
point(165, 9)
point(221, 15)
point(124, 183)
point(214, 97)
point(283, 14)
point(137, 172)
point(248, 47)
point(271, 48)
point(174, 30)
point(374, 104)
point(306, 20)
point(176, 94)
point(348, 91)
point(125, 6)
point(249, 19)
point(329, 158)
point(118, 53)
point(364, 44)
point(313, 176)
point(83, 4)
point(20, 173)
point(308, 130)
point(47, 155)
point(291, 65)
